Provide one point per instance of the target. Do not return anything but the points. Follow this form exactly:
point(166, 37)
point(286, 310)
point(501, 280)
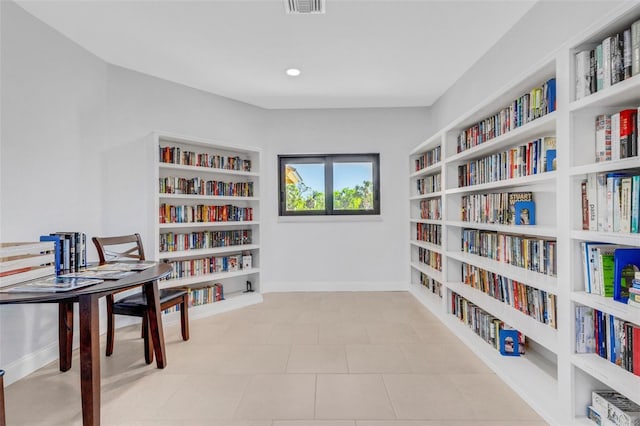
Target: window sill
point(330, 218)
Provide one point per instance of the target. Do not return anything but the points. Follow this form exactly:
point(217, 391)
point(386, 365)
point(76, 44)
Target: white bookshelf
point(555, 380)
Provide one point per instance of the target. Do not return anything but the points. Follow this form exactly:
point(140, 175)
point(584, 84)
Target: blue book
point(551, 95)
point(626, 262)
point(58, 250)
point(525, 213)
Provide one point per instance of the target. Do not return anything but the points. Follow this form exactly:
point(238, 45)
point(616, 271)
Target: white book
point(20, 249)
point(635, 48)
point(606, 62)
point(601, 189)
point(582, 74)
point(592, 200)
point(625, 204)
point(25, 261)
point(615, 136)
point(33, 273)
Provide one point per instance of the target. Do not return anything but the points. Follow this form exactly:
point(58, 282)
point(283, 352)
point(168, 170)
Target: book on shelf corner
point(514, 197)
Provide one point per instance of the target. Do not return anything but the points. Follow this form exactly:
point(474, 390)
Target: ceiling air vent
point(304, 6)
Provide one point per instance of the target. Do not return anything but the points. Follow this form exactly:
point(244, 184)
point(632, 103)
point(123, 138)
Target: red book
point(635, 350)
point(628, 132)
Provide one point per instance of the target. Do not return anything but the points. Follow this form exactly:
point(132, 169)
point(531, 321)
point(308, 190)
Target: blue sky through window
point(345, 175)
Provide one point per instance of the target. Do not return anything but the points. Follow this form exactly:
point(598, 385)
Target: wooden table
point(87, 299)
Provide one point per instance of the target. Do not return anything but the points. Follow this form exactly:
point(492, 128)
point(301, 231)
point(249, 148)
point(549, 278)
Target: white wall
point(341, 254)
point(533, 40)
point(53, 127)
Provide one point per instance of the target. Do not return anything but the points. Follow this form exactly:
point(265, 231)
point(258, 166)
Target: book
point(606, 62)
point(525, 213)
point(513, 197)
point(25, 261)
point(52, 284)
point(582, 77)
point(626, 263)
point(549, 153)
point(125, 266)
point(635, 48)
point(599, 68)
point(618, 409)
point(615, 136)
point(603, 137)
point(628, 132)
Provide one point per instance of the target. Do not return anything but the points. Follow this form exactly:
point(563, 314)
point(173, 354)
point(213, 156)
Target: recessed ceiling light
point(293, 72)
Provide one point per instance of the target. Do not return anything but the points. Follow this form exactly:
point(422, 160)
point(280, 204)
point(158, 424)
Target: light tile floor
point(298, 359)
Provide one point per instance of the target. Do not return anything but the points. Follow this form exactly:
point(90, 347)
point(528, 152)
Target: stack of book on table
point(20, 262)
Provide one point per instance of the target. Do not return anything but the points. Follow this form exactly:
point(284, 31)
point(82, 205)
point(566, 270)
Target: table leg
point(90, 359)
point(65, 334)
point(155, 323)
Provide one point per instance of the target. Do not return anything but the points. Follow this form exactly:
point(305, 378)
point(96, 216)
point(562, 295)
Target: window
point(332, 184)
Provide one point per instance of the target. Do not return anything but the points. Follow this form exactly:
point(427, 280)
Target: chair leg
point(110, 324)
point(184, 317)
point(3, 419)
point(148, 345)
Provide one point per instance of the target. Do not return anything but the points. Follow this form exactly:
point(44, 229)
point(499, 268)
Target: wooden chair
point(130, 247)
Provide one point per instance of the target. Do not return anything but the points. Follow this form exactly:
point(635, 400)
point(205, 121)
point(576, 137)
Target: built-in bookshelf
point(207, 201)
point(528, 271)
point(196, 204)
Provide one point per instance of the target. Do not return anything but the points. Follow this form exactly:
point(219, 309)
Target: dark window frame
point(328, 160)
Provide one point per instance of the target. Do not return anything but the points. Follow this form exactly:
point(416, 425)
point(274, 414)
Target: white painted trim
point(310, 286)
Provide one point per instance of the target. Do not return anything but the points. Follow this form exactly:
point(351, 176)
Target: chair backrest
point(121, 247)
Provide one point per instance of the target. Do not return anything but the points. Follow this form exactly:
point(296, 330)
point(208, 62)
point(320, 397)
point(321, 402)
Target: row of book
point(172, 241)
point(431, 209)
point(609, 337)
point(430, 258)
point(612, 408)
point(616, 135)
point(429, 158)
point(532, 253)
point(608, 269)
point(200, 296)
point(429, 184)
point(210, 265)
point(487, 326)
point(611, 202)
point(429, 232)
point(176, 155)
point(70, 250)
point(431, 284)
point(199, 186)
point(534, 157)
point(615, 59)
point(204, 213)
point(538, 304)
point(506, 208)
point(539, 102)
point(20, 262)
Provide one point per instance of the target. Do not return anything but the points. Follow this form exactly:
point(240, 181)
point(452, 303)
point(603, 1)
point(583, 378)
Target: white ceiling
point(376, 53)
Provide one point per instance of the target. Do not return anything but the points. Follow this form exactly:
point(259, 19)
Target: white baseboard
point(308, 286)
point(29, 363)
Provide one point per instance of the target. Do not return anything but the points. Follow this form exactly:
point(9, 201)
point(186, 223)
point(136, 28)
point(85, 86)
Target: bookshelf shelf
point(425, 196)
point(424, 244)
point(542, 126)
point(204, 197)
point(607, 237)
point(200, 279)
point(433, 273)
point(608, 373)
point(232, 301)
point(534, 279)
point(434, 168)
point(206, 170)
point(606, 166)
point(430, 221)
point(525, 180)
point(206, 252)
point(207, 225)
point(532, 230)
point(619, 94)
point(608, 305)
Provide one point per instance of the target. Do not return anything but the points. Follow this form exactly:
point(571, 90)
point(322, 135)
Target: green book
point(608, 269)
